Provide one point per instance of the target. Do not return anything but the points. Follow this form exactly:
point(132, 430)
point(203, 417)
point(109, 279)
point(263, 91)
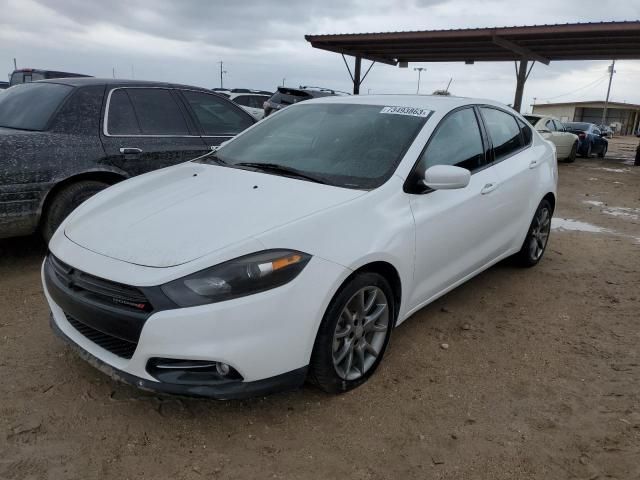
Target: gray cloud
point(262, 41)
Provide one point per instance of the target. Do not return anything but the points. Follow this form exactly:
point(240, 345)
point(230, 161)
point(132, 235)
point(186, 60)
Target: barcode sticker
point(413, 111)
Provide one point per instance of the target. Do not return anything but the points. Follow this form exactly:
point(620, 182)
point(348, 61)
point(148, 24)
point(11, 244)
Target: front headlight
point(242, 276)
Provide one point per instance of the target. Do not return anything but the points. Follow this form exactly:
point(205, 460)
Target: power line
point(592, 84)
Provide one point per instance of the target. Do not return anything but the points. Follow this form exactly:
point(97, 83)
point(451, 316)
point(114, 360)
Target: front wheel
point(354, 334)
point(587, 154)
point(537, 237)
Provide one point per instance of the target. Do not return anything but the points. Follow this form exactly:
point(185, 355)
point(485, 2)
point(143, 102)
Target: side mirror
point(446, 177)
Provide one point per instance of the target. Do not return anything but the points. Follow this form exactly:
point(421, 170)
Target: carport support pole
point(521, 79)
point(356, 76)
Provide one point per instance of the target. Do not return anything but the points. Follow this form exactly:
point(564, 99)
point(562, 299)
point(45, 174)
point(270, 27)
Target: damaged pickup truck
point(63, 140)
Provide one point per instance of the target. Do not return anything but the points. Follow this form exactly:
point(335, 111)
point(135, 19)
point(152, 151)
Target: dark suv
point(286, 96)
point(63, 140)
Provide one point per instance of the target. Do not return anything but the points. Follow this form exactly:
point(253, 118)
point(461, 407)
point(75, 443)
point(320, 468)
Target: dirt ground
point(541, 378)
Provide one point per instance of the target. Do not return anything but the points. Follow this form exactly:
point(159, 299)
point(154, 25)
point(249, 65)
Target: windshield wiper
point(282, 169)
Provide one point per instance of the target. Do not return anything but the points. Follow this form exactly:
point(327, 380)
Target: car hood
point(176, 215)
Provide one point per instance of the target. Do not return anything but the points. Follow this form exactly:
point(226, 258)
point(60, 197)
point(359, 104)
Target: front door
point(148, 128)
point(455, 229)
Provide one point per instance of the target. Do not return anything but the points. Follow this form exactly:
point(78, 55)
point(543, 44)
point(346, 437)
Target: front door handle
point(488, 188)
point(534, 163)
point(130, 151)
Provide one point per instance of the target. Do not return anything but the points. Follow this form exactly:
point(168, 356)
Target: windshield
point(29, 106)
point(577, 126)
point(347, 145)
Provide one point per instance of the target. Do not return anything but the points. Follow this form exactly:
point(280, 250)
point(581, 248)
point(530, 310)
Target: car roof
point(87, 81)
point(431, 102)
point(254, 94)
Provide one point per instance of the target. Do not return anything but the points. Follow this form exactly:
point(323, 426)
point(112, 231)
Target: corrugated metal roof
point(569, 41)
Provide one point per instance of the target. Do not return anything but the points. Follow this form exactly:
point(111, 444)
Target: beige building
point(625, 117)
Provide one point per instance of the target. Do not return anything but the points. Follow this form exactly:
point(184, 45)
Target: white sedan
point(293, 251)
point(553, 130)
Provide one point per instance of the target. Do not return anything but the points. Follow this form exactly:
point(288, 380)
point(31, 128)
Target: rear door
point(218, 119)
point(146, 128)
point(515, 163)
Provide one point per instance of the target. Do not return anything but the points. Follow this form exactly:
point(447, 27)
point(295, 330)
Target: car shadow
point(21, 250)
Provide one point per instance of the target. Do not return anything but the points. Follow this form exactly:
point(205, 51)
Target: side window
point(596, 131)
point(258, 102)
point(549, 125)
point(525, 129)
point(121, 118)
point(243, 100)
point(558, 126)
point(457, 141)
point(503, 130)
point(157, 111)
point(216, 115)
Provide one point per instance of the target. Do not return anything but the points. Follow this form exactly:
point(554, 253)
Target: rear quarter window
point(31, 106)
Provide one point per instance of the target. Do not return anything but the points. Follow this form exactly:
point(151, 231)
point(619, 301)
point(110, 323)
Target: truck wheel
point(65, 201)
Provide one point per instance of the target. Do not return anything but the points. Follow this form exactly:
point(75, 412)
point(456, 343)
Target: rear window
point(31, 106)
point(531, 119)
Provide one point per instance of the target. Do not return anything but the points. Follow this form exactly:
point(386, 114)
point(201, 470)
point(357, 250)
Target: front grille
point(117, 346)
point(100, 290)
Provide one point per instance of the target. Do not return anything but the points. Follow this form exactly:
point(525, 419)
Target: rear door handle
point(130, 151)
point(488, 188)
point(534, 163)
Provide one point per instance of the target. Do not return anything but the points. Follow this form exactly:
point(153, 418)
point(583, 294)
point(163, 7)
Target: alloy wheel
point(360, 333)
point(539, 233)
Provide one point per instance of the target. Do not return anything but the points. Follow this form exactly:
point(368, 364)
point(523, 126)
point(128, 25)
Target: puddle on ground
point(568, 224)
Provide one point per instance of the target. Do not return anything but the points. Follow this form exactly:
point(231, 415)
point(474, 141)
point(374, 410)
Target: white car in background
point(250, 102)
point(553, 130)
point(294, 250)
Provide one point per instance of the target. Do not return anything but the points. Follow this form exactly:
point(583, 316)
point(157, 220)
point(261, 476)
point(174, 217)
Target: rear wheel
point(66, 201)
point(572, 155)
point(537, 237)
point(604, 151)
point(354, 334)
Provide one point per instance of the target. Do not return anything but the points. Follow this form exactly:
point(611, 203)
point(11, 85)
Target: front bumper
point(230, 391)
point(266, 337)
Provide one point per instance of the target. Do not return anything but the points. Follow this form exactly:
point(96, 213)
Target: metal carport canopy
point(541, 43)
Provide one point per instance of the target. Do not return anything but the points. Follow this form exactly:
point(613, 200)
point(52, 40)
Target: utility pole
point(419, 70)
point(606, 102)
point(113, 72)
point(15, 65)
point(222, 72)
point(283, 79)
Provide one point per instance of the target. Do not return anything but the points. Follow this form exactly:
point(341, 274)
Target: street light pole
point(222, 72)
point(419, 70)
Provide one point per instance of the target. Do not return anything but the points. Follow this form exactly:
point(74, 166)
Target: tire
point(66, 201)
point(344, 334)
point(588, 152)
point(572, 155)
point(603, 152)
point(529, 256)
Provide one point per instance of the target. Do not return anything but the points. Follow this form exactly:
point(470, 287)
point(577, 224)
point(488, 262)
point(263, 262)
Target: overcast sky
point(262, 41)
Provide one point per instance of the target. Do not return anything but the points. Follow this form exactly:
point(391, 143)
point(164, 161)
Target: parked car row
point(570, 138)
